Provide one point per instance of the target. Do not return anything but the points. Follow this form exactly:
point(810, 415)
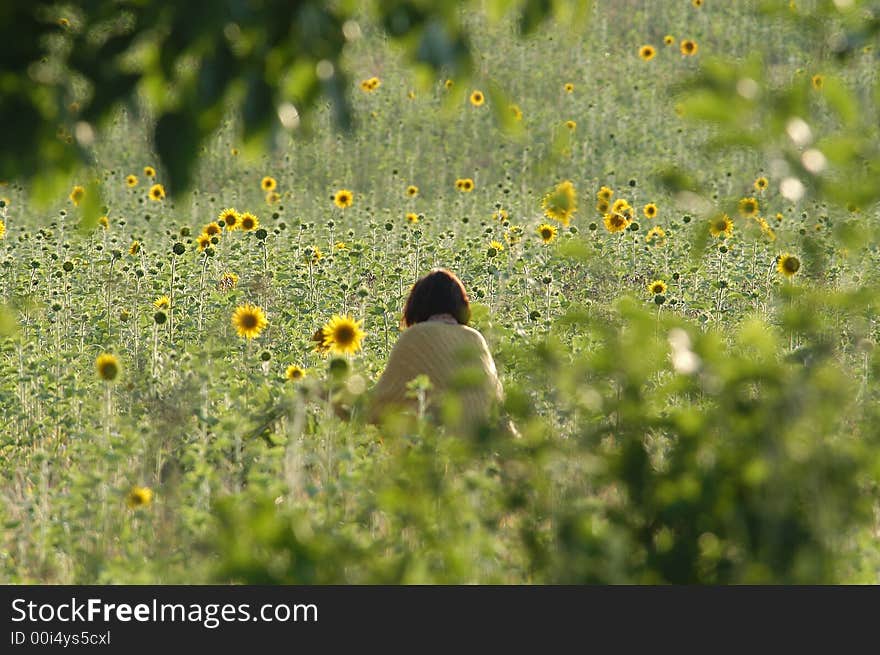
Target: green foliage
point(66, 69)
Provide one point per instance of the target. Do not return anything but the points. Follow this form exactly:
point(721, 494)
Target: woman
point(438, 343)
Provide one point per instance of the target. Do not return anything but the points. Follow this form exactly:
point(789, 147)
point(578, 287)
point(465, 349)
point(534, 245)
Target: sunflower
point(656, 235)
point(448, 84)
point(149, 171)
point(688, 47)
point(272, 197)
point(249, 321)
point(318, 340)
point(497, 246)
point(513, 235)
point(268, 184)
point(108, 367)
point(697, 3)
point(230, 218)
point(104, 222)
point(748, 206)
point(570, 125)
point(619, 205)
point(766, 230)
point(647, 52)
point(412, 191)
point(203, 241)
point(602, 206)
point(650, 210)
point(139, 497)
point(560, 204)
point(134, 248)
point(761, 183)
point(818, 81)
point(340, 245)
point(615, 222)
point(370, 84)
point(569, 87)
point(657, 287)
point(249, 222)
point(516, 112)
point(131, 181)
point(605, 194)
point(227, 281)
point(343, 335)
point(477, 98)
point(465, 184)
point(343, 198)
point(77, 194)
point(788, 265)
point(294, 373)
point(212, 229)
point(412, 217)
point(721, 224)
point(162, 302)
point(2, 229)
point(547, 232)
point(157, 192)
point(233, 152)
point(668, 39)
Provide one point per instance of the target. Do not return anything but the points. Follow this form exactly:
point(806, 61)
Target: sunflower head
point(761, 183)
point(668, 39)
point(615, 222)
point(465, 184)
point(343, 335)
point(139, 497)
point(605, 194)
point(619, 205)
point(412, 191)
point(721, 225)
point(647, 52)
point(650, 210)
point(294, 373)
point(817, 81)
point(268, 183)
point(108, 367)
point(249, 321)
point(162, 302)
point(560, 204)
point(248, 222)
point(412, 217)
point(477, 98)
point(203, 241)
point(212, 229)
point(227, 281)
point(571, 125)
point(655, 235)
point(657, 287)
point(230, 218)
point(547, 232)
point(149, 171)
point(77, 194)
point(157, 192)
point(131, 181)
point(343, 198)
point(688, 47)
point(788, 265)
point(569, 87)
point(134, 248)
point(516, 112)
point(748, 206)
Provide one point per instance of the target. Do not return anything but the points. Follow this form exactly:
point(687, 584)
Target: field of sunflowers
point(668, 226)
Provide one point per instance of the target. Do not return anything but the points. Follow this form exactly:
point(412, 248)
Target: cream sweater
point(454, 357)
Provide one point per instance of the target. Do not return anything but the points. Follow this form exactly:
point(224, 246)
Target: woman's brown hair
point(438, 292)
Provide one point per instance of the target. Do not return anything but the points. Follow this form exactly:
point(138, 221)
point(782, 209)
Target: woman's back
point(457, 361)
